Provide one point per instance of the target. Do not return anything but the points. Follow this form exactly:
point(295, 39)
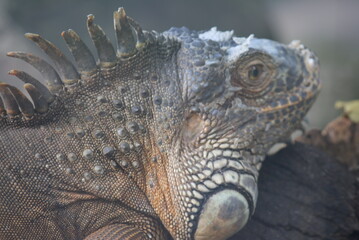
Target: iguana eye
point(255, 72)
point(253, 75)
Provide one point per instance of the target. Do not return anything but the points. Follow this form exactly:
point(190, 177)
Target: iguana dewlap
point(161, 138)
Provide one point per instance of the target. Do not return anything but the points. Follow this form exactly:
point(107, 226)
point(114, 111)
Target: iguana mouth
point(297, 99)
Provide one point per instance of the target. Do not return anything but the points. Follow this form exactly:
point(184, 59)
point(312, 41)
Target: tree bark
point(304, 194)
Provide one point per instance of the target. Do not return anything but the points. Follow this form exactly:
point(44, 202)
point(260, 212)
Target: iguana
point(162, 138)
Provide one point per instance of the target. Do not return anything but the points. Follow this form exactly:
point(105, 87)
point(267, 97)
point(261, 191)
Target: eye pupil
point(254, 72)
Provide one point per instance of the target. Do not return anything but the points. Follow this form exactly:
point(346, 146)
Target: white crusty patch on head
point(215, 35)
point(243, 46)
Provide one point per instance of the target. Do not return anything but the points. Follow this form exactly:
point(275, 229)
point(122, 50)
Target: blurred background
point(329, 27)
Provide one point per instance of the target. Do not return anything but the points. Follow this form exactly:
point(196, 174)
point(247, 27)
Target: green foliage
point(350, 108)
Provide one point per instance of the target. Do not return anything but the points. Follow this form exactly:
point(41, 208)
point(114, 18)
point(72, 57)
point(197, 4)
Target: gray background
point(329, 27)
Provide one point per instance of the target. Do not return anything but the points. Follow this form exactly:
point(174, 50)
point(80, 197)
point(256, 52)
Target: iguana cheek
point(224, 214)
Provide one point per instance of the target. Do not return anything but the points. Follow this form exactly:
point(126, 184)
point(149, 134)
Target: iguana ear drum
point(192, 127)
point(224, 214)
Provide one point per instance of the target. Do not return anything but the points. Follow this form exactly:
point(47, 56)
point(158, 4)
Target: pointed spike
point(126, 42)
point(24, 104)
point(53, 80)
point(40, 103)
point(141, 39)
point(85, 61)
point(10, 104)
point(27, 78)
point(150, 37)
point(2, 109)
point(67, 70)
point(105, 50)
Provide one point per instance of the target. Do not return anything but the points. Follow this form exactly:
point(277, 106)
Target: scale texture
point(160, 138)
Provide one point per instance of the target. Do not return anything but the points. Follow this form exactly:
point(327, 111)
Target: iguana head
point(241, 96)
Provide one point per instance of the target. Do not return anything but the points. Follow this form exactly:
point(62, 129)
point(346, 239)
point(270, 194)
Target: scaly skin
point(162, 139)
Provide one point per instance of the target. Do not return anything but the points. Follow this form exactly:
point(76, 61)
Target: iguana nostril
point(224, 214)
